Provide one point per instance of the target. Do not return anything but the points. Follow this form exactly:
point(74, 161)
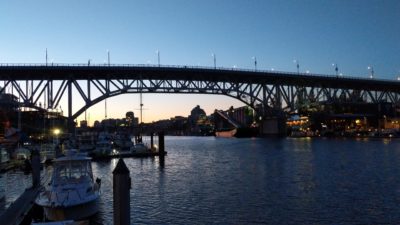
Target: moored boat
point(4, 157)
point(226, 133)
point(73, 193)
point(2, 191)
point(240, 132)
point(103, 145)
point(140, 148)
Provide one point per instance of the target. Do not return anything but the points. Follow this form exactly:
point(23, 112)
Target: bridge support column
point(273, 126)
point(71, 124)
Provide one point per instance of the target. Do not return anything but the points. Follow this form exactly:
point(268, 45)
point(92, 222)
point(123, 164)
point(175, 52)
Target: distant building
point(242, 115)
point(83, 124)
point(199, 123)
point(97, 124)
point(130, 118)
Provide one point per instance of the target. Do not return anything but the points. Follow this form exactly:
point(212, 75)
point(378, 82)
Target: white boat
point(140, 148)
point(4, 157)
point(103, 145)
point(47, 152)
point(87, 142)
point(2, 191)
point(123, 142)
point(73, 194)
point(22, 153)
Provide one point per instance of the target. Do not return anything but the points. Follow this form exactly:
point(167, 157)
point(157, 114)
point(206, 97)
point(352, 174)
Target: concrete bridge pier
point(273, 126)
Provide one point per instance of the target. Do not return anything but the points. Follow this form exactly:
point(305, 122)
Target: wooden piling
point(151, 141)
point(161, 148)
point(35, 163)
point(121, 195)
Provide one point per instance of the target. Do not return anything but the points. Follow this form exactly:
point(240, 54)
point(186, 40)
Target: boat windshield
point(72, 172)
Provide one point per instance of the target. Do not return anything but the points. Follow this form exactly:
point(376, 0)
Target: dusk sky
point(354, 34)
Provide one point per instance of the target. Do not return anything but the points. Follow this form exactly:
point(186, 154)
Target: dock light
point(57, 131)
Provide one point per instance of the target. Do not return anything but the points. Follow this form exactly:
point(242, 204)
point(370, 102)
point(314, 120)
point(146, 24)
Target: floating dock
point(128, 155)
point(17, 211)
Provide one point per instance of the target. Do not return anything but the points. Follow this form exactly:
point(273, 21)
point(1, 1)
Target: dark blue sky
point(354, 34)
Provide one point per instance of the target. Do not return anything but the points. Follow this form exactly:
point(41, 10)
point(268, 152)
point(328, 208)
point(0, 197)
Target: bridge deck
point(80, 72)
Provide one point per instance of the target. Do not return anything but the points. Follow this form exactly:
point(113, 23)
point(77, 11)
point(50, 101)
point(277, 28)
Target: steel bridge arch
point(238, 96)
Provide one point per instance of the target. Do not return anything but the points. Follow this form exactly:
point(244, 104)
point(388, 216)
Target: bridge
point(82, 86)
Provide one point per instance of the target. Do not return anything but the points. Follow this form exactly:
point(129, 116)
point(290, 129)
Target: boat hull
point(238, 132)
point(75, 212)
point(226, 133)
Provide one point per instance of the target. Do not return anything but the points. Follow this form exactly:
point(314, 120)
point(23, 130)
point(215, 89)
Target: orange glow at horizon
point(157, 106)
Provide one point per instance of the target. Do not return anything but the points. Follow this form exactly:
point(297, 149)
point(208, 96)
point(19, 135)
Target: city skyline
point(325, 37)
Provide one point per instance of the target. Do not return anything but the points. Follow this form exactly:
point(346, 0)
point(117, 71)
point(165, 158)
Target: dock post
point(121, 195)
point(151, 141)
point(35, 162)
point(161, 149)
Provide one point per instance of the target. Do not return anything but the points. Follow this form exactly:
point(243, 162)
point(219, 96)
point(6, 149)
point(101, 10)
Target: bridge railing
point(52, 64)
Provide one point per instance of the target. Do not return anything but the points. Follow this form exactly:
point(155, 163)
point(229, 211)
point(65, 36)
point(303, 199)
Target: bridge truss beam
point(82, 87)
point(49, 94)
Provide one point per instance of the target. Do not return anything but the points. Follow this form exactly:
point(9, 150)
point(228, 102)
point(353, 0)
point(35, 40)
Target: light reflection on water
point(270, 181)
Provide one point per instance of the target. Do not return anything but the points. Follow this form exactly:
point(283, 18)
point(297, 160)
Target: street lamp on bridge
point(371, 70)
point(158, 57)
point(297, 65)
point(336, 68)
point(215, 60)
point(255, 62)
point(46, 57)
point(108, 57)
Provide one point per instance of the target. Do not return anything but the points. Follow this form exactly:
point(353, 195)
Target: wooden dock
point(18, 210)
point(129, 155)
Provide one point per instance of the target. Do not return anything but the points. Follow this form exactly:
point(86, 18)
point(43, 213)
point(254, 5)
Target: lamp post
point(158, 57)
point(255, 63)
point(371, 69)
point(297, 65)
point(336, 68)
point(215, 60)
point(46, 56)
point(108, 57)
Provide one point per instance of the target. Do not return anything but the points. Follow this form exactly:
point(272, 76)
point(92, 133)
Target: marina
point(200, 112)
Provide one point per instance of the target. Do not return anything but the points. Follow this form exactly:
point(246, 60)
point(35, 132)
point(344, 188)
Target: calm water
point(209, 180)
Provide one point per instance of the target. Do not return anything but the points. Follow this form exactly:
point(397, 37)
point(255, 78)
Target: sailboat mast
point(105, 108)
point(141, 108)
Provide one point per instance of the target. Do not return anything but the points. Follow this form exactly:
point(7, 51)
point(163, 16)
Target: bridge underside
point(49, 94)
